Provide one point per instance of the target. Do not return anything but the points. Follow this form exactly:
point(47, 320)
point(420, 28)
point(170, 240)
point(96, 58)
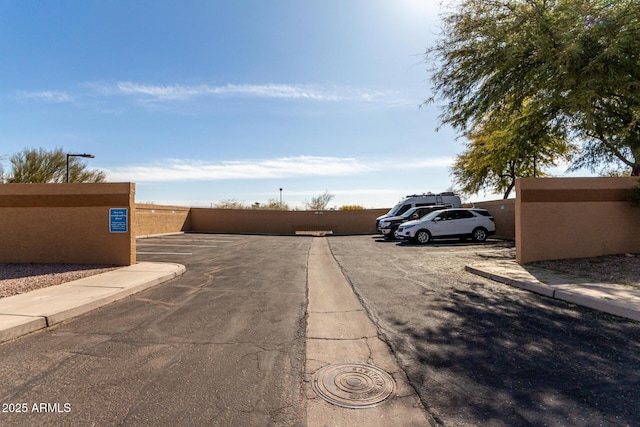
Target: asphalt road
point(481, 353)
point(221, 345)
point(224, 344)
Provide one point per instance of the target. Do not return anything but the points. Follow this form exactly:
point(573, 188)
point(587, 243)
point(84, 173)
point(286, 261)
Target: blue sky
point(202, 101)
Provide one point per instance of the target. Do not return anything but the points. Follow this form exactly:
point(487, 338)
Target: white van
point(447, 200)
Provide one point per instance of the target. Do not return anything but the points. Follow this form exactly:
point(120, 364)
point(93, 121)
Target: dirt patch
point(620, 269)
point(20, 278)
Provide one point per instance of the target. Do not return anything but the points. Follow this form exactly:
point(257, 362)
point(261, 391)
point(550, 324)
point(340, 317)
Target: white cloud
point(282, 167)
point(155, 94)
point(160, 92)
point(276, 91)
point(46, 95)
point(185, 170)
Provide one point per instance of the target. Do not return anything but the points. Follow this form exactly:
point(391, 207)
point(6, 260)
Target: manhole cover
point(353, 385)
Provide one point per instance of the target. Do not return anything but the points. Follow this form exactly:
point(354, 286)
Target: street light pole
point(89, 156)
point(281, 198)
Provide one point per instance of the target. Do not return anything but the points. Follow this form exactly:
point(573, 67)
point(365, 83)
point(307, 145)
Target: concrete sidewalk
point(25, 313)
point(340, 331)
point(619, 300)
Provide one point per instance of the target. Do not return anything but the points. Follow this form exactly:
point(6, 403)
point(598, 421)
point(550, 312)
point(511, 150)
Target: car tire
point(423, 237)
point(394, 233)
point(479, 235)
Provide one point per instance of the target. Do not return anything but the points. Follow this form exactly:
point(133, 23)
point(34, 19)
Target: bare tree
point(319, 202)
point(230, 204)
point(274, 205)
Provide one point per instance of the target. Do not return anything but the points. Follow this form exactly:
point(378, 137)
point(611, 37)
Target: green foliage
point(615, 172)
point(42, 166)
point(319, 202)
point(351, 208)
point(502, 149)
point(575, 63)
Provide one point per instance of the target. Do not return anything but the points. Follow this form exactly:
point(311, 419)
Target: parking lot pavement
point(225, 343)
point(222, 344)
point(480, 352)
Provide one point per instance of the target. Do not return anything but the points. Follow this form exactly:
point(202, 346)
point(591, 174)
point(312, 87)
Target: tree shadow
point(508, 360)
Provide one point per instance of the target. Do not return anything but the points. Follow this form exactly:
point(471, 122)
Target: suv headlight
point(384, 224)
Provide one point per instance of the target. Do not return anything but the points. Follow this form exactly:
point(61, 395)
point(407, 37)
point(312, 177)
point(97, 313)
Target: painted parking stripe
point(468, 252)
point(164, 253)
point(158, 239)
point(163, 244)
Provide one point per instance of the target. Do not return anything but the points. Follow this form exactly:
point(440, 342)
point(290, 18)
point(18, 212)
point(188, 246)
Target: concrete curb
point(339, 330)
point(26, 313)
point(533, 286)
point(609, 298)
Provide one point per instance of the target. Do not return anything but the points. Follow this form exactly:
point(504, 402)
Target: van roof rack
point(446, 193)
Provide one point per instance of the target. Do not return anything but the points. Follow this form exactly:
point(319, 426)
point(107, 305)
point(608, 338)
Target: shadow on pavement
point(514, 362)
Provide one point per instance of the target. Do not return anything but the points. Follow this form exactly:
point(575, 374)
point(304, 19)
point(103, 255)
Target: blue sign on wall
point(118, 220)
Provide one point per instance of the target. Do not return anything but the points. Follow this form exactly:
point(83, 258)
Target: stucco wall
point(504, 214)
point(65, 223)
point(559, 218)
point(152, 220)
point(283, 222)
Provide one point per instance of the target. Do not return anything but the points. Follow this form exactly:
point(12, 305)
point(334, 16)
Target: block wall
point(559, 218)
point(504, 213)
point(152, 220)
point(65, 223)
point(283, 222)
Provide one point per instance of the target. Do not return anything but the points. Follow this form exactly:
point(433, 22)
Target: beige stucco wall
point(504, 214)
point(559, 218)
point(283, 222)
point(65, 223)
point(153, 220)
point(555, 218)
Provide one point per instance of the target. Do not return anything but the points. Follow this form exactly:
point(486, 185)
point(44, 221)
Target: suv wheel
point(394, 233)
point(423, 237)
point(479, 234)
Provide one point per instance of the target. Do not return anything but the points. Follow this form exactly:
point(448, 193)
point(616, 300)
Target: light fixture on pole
point(89, 156)
point(281, 198)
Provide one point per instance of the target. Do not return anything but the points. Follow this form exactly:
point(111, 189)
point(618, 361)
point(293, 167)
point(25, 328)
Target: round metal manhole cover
point(353, 385)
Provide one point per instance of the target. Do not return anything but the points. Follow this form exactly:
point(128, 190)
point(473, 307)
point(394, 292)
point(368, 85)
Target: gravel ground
point(620, 269)
point(20, 278)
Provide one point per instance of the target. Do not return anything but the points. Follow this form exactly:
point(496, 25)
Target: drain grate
point(353, 385)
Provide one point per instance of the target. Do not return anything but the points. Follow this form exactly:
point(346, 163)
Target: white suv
point(477, 224)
